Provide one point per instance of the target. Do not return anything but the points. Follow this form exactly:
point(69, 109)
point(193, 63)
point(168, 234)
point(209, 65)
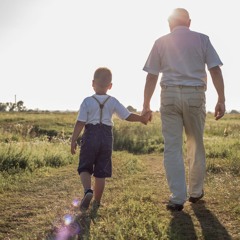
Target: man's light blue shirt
point(181, 56)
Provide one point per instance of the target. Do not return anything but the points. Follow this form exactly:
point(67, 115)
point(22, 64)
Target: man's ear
point(92, 83)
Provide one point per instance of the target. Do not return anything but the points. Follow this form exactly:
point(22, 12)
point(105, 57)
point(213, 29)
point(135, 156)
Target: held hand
point(219, 110)
point(147, 117)
point(147, 111)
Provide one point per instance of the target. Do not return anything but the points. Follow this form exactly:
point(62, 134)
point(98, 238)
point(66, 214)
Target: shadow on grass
point(181, 227)
point(211, 227)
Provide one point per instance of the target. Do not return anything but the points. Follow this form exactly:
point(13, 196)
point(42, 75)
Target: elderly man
point(181, 57)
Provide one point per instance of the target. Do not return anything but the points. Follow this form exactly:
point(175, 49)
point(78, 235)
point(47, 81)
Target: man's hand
point(148, 112)
point(219, 110)
point(147, 117)
point(150, 85)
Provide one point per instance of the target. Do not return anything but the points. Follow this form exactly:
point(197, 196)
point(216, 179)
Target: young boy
point(95, 115)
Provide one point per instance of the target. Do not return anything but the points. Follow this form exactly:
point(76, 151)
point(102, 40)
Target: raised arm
point(217, 78)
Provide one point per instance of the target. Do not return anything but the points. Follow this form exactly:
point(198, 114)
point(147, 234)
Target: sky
point(49, 49)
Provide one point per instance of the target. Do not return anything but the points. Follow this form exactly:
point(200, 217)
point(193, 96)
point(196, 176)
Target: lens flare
point(75, 202)
point(68, 219)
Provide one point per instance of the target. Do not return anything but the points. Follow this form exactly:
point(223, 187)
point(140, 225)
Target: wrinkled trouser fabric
point(183, 108)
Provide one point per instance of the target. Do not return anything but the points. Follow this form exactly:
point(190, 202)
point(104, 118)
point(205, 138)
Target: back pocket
point(168, 106)
point(195, 105)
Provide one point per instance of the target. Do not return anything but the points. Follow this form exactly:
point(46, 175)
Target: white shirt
point(89, 111)
point(181, 57)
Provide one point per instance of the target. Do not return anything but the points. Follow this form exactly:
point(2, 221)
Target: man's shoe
point(174, 207)
point(86, 200)
point(196, 199)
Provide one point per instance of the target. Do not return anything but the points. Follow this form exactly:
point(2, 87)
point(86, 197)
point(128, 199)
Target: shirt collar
point(180, 28)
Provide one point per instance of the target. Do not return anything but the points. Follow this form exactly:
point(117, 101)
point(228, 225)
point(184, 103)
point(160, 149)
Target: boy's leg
point(98, 192)
point(86, 180)
point(103, 162)
point(88, 192)
point(98, 189)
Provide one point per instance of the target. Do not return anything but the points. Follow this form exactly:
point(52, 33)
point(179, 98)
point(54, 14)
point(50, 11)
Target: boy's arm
point(76, 132)
point(138, 118)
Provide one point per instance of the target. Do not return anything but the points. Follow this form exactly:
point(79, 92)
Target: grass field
point(40, 188)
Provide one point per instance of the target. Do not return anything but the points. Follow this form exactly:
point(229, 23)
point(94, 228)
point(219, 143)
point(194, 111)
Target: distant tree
point(3, 107)
point(12, 106)
point(131, 109)
point(234, 112)
point(8, 106)
point(20, 106)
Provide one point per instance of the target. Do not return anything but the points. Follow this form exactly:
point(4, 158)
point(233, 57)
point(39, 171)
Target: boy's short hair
point(103, 76)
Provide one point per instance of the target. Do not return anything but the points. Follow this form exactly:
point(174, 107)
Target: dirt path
point(42, 203)
point(210, 218)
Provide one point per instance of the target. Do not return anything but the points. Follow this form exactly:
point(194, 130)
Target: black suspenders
point(101, 105)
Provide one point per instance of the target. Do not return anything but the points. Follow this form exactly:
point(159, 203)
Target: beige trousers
point(183, 108)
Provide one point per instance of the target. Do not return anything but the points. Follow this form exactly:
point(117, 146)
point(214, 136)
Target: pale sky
point(49, 49)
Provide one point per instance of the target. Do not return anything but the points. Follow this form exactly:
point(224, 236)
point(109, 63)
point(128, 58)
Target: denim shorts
point(96, 150)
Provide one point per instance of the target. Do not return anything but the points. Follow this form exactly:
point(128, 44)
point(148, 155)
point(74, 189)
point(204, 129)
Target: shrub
point(31, 156)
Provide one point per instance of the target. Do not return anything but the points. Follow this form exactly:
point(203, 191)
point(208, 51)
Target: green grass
point(29, 156)
point(39, 181)
point(17, 126)
point(133, 205)
point(221, 137)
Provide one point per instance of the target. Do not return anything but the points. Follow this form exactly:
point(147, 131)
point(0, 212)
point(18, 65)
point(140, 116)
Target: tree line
point(19, 107)
point(13, 107)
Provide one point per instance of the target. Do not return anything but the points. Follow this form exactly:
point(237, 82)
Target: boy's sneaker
point(174, 207)
point(86, 200)
point(196, 199)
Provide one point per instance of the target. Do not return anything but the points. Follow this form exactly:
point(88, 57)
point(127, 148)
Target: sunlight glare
point(68, 219)
point(75, 202)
